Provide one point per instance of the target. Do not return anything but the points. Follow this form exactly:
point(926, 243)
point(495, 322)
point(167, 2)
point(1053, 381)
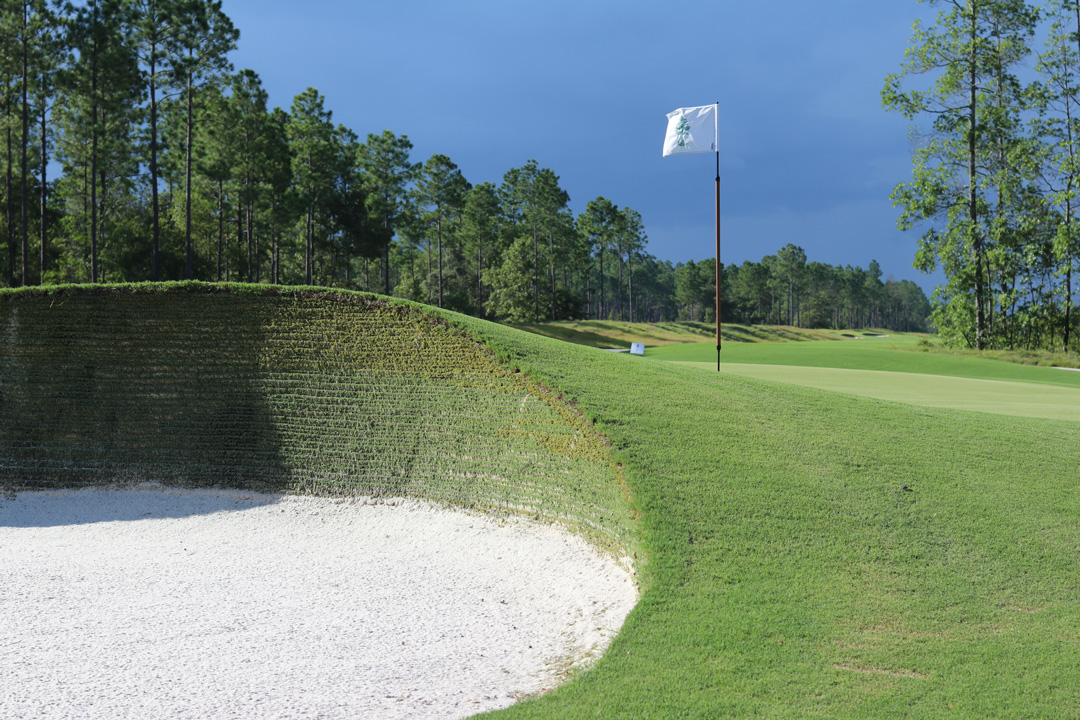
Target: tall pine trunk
point(93, 186)
point(600, 252)
point(239, 237)
point(250, 240)
point(275, 243)
point(386, 255)
point(440, 261)
point(536, 277)
point(25, 169)
point(9, 197)
point(1068, 207)
point(588, 288)
point(44, 186)
point(103, 225)
point(551, 263)
point(976, 240)
point(479, 281)
point(154, 211)
point(619, 297)
point(307, 247)
point(187, 189)
point(221, 224)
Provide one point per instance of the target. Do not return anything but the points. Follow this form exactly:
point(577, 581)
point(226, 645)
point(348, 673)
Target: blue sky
point(807, 155)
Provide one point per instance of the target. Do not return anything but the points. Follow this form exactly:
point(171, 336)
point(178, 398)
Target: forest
point(132, 150)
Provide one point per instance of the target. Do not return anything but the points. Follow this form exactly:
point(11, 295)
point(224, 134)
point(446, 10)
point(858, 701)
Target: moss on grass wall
point(299, 390)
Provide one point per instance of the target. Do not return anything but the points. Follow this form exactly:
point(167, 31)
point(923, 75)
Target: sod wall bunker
point(288, 390)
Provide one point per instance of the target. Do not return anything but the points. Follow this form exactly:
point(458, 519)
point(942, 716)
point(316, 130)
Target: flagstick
point(717, 261)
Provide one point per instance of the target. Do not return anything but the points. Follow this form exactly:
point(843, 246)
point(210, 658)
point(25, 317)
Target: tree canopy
point(173, 165)
point(994, 183)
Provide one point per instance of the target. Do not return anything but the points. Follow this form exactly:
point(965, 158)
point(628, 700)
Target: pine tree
point(440, 192)
point(971, 51)
point(216, 149)
point(1057, 98)
point(205, 38)
point(157, 33)
point(49, 49)
point(348, 212)
point(279, 178)
point(101, 92)
point(630, 242)
point(519, 194)
point(554, 220)
point(248, 107)
point(387, 177)
point(599, 225)
point(480, 232)
point(311, 138)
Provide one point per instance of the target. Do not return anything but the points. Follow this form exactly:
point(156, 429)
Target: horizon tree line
point(786, 289)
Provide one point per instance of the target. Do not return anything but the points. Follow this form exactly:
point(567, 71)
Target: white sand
point(179, 603)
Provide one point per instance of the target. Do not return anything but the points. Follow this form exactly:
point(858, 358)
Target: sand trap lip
point(155, 602)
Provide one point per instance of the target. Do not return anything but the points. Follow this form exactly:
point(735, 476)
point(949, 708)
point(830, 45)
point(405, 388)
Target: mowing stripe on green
point(888, 354)
point(1001, 397)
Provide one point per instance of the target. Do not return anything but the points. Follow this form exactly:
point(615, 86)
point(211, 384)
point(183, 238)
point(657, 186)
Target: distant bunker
point(281, 392)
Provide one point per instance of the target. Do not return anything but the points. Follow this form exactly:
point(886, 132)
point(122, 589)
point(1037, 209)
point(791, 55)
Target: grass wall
point(287, 391)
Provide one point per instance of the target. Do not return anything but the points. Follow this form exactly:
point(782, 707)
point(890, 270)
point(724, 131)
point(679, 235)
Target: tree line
point(786, 289)
point(172, 165)
point(996, 174)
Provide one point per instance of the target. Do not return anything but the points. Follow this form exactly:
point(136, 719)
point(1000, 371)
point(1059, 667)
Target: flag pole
point(717, 117)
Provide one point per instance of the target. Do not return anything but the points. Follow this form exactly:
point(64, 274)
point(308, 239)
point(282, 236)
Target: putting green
point(1002, 397)
point(893, 354)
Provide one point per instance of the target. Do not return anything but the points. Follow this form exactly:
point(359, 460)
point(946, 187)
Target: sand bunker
point(168, 603)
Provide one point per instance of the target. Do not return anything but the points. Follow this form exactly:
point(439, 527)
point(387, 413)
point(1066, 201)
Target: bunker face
point(167, 603)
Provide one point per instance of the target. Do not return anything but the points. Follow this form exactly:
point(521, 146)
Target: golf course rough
point(288, 390)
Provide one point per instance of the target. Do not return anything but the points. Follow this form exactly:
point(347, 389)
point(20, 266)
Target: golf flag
point(692, 130)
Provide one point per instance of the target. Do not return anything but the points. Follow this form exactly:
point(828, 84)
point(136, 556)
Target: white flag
point(691, 130)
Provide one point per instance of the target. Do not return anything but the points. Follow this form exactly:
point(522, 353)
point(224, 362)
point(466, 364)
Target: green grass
point(1024, 399)
point(809, 554)
point(791, 575)
point(889, 368)
point(896, 353)
point(1043, 358)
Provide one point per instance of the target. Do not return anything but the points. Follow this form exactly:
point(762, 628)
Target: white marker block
point(637, 348)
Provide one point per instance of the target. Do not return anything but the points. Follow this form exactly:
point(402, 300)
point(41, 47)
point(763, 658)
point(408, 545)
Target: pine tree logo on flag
point(682, 132)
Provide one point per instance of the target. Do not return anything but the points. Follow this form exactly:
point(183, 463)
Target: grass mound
point(821, 555)
point(303, 390)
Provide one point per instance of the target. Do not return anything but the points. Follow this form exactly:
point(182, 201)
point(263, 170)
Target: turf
point(890, 354)
point(1003, 397)
point(820, 555)
point(805, 553)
